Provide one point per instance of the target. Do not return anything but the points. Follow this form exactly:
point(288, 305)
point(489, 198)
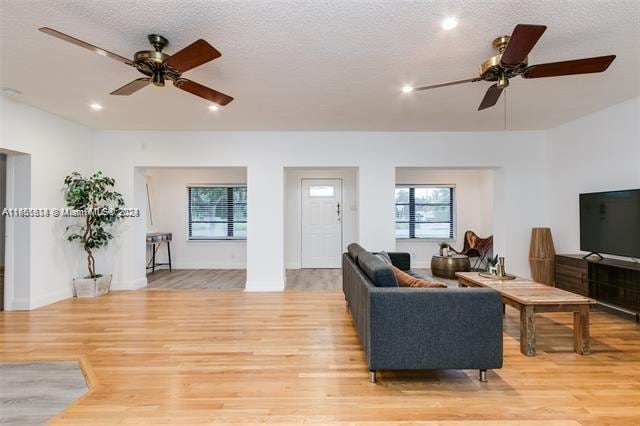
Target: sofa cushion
point(354, 250)
point(406, 280)
point(415, 274)
point(385, 257)
point(378, 271)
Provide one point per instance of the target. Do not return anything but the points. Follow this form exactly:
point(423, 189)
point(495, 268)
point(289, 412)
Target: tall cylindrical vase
point(542, 256)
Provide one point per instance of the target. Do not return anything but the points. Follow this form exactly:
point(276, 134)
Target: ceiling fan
point(157, 66)
point(512, 61)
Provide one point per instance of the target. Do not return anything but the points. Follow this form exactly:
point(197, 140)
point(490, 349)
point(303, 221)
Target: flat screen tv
point(610, 222)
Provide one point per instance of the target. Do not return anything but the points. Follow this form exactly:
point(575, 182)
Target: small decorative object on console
point(496, 269)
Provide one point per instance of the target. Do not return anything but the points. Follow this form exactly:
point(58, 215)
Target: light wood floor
point(197, 278)
point(204, 356)
point(308, 279)
point(297, 279)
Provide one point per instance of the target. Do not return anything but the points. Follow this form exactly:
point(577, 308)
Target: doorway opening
point(321, 220)
point(196, 227)
point(15, 192)
point(3, 204)
point(438, 206)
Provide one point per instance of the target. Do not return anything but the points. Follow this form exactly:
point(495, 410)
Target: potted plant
point(444, 249)
point(99, 206)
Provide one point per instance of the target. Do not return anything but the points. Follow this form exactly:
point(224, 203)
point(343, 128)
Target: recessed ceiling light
point(95, 107)
point(214, 107)
point(407, 89)
point(449, 23)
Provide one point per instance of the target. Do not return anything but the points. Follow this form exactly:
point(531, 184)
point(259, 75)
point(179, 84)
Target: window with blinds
point(425, 212)
point(217, 212)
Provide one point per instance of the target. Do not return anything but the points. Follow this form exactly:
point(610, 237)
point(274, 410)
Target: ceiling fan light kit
point(158, 66)
point(512, 61)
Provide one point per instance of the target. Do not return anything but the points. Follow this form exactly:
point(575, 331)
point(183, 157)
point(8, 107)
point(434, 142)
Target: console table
point(154, 240)
point(529, 298)
point(610, 281)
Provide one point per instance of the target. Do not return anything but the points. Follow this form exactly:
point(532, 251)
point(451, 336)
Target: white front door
point(321, 223)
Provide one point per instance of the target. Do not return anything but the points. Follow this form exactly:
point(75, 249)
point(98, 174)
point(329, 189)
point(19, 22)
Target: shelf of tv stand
point(611, 282)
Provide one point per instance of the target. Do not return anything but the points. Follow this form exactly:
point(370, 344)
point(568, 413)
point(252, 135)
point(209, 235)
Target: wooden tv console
point(612, 282)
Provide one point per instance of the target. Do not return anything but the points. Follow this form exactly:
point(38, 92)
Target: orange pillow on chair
point(406, 280)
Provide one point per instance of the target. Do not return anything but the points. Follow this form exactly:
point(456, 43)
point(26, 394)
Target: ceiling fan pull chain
point(505, 110)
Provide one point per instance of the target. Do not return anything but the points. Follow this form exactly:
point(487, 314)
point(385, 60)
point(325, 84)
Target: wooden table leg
point(527, 331)
point(581, 331)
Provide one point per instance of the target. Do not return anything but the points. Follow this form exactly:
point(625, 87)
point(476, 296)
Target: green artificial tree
point(94, 199)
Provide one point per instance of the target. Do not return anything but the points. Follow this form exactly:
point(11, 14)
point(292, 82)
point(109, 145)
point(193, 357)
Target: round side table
point(447, 266)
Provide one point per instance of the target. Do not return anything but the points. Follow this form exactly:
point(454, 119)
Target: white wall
point(536, 179)
point(519, 156)
point(473, 205)
point(599, 152)
point(42, 149)
point(292, 218)
point(168, 193)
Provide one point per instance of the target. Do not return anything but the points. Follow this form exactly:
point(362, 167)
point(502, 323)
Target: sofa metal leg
point(372, 376)
point(483, 375)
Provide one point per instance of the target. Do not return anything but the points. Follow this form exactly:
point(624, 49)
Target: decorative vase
point(500, 267)
point(542, 256)
point(92, 287)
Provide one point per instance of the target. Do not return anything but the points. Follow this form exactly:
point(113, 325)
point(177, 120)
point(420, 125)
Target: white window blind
point(217, 212)
point(425, 212)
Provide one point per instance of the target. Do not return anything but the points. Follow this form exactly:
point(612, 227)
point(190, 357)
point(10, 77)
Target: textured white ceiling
point(320, 65)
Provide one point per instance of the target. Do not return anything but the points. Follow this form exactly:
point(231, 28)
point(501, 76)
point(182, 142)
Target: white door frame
point(300, 210)
point(17, 252)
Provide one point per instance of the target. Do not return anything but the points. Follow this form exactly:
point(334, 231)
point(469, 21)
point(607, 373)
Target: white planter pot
point(92, 287)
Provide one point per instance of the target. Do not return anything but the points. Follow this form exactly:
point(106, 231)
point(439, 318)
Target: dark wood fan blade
point(132, 87)
point(490, 98)
point(576, 66)
point(522, 40)
point(202, 91)
point(451, 83)
point(196, 54)
point(78, 42)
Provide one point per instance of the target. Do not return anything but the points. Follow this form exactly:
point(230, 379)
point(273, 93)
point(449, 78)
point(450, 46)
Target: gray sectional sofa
point(419, 328)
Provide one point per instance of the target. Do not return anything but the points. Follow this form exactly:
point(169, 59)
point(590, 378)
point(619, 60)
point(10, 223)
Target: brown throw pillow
point(406, 280)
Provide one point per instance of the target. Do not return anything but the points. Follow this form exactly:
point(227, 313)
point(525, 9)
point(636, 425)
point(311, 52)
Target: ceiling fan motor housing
point(152, 62)
point(494, 70)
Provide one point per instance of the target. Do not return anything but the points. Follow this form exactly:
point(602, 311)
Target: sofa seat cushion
point(377, 269)
point(406, 280)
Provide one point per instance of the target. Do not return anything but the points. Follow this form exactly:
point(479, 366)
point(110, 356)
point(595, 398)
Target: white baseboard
point(293, 265)
point(52, 298)
point(213, 265)
point(130, 284)
point(18, 304)
point(264, 285)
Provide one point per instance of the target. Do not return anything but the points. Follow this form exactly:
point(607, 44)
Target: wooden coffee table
point(530, 297)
